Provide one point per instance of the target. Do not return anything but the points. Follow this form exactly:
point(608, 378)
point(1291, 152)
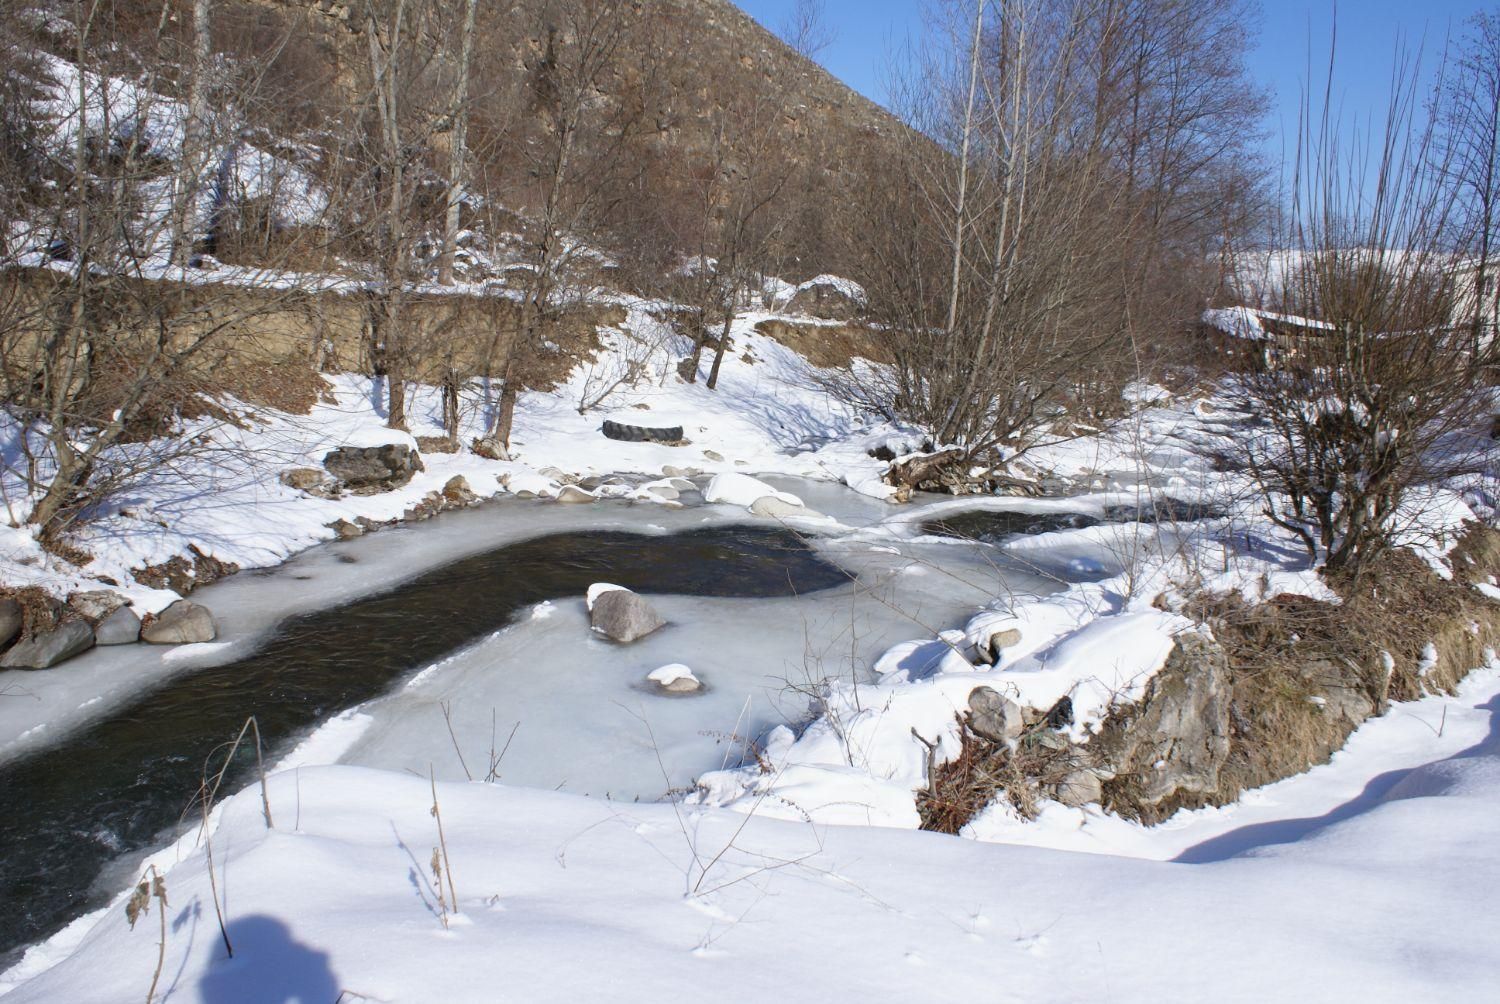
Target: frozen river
point(432, 646)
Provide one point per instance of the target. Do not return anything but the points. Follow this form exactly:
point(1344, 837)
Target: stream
point(122, 781)
point(477, 652)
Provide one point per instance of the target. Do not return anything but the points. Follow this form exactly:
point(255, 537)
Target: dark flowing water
point(994, 525)
point(991, 526)
point(119, 784)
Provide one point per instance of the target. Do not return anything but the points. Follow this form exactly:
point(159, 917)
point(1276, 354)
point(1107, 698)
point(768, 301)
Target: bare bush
point(1358, 410)
point(1065, 217)
point(107, 341)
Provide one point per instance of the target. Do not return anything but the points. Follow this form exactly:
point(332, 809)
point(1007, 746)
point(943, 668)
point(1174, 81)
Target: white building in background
point(1472, 294)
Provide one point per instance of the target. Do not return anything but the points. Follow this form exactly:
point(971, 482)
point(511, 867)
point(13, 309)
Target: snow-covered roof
point(1252, 325)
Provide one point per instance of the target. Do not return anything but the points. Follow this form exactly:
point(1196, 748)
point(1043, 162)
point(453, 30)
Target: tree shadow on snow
point(1420, 781)
point(269, 967)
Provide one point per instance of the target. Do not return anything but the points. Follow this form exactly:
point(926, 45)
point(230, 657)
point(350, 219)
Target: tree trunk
point(505, 420)
point(696, 359)
point(195, 138)
point(963, 171)
point(459, 148)
point(720, 349)
point(450, 403)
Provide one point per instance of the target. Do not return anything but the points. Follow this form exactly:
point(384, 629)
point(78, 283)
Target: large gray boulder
point(830, 298)
point(12, 617)
point(1174, 741)
point(47, 649)
point(369, 470)
point(622, 616)
point(182, 623)
point(122, 627)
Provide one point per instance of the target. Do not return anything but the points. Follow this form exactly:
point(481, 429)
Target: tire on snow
point(641, 434)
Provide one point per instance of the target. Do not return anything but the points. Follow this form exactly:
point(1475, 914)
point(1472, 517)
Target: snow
point(743, 490)
point(598, 589)
point(1325, 886)
point(801, 758)
point(367, 436)
point(1248, 323)
point(670, 674)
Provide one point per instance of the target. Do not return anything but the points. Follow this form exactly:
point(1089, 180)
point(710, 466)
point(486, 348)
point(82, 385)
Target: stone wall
point(251, 336)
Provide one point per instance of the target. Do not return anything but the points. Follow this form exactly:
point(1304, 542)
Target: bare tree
point(1467, 110)
point(388, 189)
point(806, 29)
point(1357, 411)
point(578, 150)
point(195, 142)
point(101, 349)
point(1062, 218)
point(458, 146)
point(980, 360)
point(737, 190)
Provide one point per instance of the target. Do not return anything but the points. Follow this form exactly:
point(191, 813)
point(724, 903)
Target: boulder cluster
point(44, 633)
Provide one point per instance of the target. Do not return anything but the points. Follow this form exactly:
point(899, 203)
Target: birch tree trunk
point(195, 138)
point(960, 206)
point(460, 147)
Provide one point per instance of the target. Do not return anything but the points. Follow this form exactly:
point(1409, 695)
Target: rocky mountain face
point(691, 89)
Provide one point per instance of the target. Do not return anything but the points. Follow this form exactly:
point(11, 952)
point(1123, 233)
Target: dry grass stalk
point(441, 865)
point(152, 886)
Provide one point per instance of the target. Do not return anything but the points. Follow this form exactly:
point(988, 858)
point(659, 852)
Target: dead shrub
point(39, 611)
point(1306, 673)
point(985, 770)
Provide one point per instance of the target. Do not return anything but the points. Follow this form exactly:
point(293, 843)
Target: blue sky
point(869, 30)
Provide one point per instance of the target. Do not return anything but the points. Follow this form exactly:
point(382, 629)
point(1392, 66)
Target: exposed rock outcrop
point(1168, 748)
point(829, 298)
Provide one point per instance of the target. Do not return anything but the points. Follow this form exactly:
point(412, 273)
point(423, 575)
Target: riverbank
point(221, 494)
point(1351, 882)
point(1082, 598)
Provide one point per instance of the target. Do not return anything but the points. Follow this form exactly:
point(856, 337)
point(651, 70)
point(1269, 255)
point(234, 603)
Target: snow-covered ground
point(1371, 879)
point(224, 497)
point(1377, 893)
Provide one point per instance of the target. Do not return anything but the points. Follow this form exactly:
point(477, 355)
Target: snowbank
point(743, 490)
point(1333, 902)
